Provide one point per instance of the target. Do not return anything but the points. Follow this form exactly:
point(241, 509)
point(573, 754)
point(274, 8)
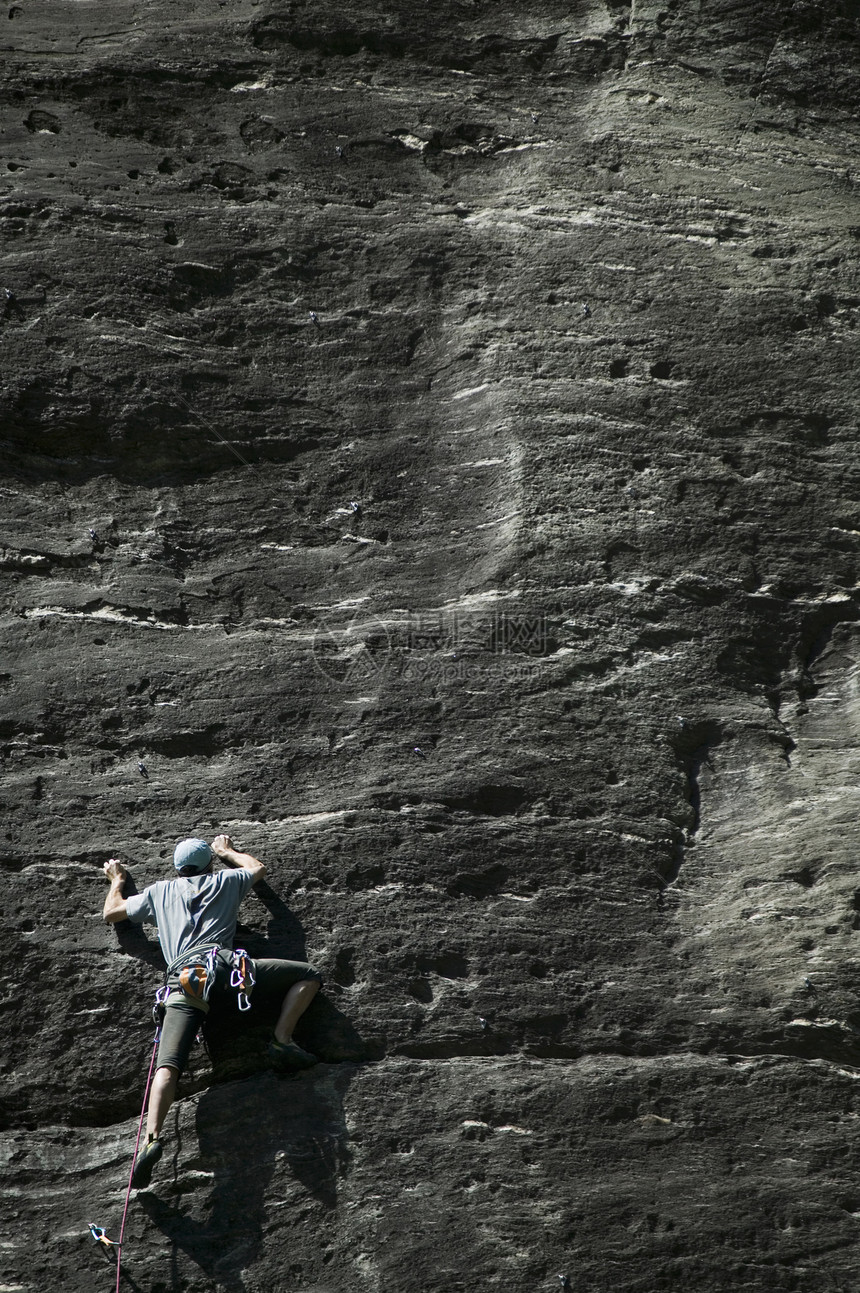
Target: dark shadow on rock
point(323, 1029)
point(109, 1259)
point(287, 1130)
point(236, 1043)
point(133, 941)
point(285, 935)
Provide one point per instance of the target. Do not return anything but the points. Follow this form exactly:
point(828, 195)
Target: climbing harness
point(98, 1232)
point(196, 978)
point(242, 977)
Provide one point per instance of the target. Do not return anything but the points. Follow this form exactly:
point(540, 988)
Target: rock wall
point(429, 451)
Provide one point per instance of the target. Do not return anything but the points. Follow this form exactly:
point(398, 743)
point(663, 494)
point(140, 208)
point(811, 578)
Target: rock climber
point(196, 913)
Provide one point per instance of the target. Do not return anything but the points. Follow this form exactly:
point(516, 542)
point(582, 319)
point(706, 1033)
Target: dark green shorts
point(182, 1018)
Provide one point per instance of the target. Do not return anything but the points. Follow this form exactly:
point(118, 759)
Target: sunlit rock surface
point(429, 448)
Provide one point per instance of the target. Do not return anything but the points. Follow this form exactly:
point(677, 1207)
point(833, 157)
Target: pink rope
point(134, 1159)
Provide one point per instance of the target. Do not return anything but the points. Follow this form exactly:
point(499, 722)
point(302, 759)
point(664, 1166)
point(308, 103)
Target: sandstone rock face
point(430, 451)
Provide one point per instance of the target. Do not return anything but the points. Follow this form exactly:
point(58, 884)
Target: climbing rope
point(98, 1233)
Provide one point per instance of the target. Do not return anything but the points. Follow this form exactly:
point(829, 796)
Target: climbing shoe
point(287, 1055)
point(146, 1160)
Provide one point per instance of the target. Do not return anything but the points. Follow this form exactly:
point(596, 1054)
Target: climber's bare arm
point(222, 845)
point(114, 908)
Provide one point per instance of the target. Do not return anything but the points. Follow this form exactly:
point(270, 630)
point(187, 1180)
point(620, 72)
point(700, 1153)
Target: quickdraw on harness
point(242, 977)
point(159, 1006)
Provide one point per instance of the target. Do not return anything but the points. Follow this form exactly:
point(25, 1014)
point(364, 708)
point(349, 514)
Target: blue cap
point(196, 853)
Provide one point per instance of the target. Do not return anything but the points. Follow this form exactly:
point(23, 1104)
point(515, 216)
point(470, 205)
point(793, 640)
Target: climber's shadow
point(283, 1136)
point(285, 935)
point(237, 1043)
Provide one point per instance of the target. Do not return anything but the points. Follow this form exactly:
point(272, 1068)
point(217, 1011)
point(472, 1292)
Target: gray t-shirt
point(191, 911)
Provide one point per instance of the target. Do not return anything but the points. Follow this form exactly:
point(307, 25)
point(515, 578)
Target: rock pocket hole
point(489, 801)
point(420, 989)
point(450, 965)
point(42, 123)
point(344, 970)
point(478, 884)
point(804, 877)
point(366, 877)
